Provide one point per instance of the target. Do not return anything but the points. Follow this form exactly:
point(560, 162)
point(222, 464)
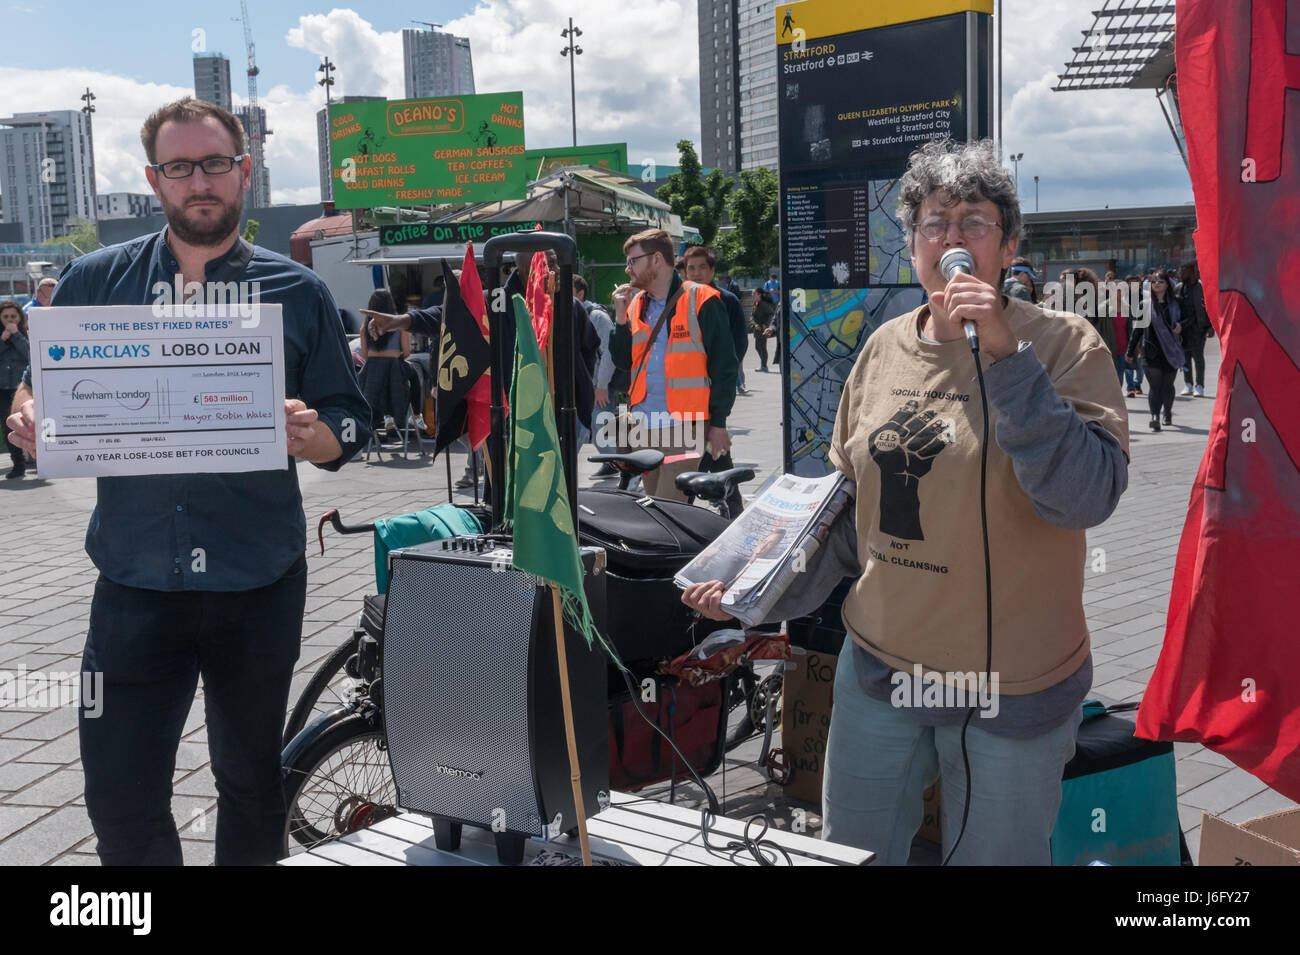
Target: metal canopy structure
point(1130, 46)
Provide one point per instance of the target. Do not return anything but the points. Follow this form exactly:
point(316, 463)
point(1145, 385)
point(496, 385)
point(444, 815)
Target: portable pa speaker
point(472, 703)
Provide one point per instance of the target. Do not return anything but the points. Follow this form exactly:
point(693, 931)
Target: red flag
point(1227, 671)
point(538, 299)
point(480, 396)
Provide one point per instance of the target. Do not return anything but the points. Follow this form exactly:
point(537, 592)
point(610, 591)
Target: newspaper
point(763, 552)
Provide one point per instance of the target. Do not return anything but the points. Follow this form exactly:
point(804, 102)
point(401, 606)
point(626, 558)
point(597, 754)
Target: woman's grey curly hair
point(961, 172)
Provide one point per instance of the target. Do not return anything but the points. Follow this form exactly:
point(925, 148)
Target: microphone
point(952, 262)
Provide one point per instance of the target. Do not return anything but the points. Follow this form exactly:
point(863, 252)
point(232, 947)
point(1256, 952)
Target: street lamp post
point(1035, 193)
point(328, 69)
point(327, 81)
point(1015, 158)
point(572, 51)
point(89, 98)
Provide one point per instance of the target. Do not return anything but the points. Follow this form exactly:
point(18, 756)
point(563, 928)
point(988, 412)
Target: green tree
point(752, 247)
point(700, 200)
point(82, 233)
point(250, 230)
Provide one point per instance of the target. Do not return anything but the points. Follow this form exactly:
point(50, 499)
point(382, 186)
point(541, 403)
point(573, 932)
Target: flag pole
point(446, 456)
point(575, 773)
point(473, 463)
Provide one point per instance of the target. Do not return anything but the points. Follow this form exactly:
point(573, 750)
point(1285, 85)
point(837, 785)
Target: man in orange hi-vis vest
point(674, 337)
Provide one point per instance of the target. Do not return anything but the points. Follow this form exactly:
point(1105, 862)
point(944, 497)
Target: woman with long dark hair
point(1156, 343)
point(383, 378)
point(14, 356)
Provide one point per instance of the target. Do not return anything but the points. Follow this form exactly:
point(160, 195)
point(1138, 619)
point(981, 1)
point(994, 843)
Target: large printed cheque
point(121, 390)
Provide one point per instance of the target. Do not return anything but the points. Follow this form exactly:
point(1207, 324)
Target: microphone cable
point(988, 593)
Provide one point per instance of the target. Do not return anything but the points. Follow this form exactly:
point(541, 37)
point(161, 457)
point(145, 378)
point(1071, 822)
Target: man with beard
point(203, 575)
point(674, 338)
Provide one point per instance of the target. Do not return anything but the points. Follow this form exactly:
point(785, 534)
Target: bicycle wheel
point(329, 687)
point(337, 779)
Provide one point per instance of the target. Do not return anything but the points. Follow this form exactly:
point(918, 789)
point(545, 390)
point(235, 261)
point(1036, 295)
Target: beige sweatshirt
point(908, 432)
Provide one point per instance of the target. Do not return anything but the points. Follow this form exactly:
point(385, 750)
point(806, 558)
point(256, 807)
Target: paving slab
point(14, 819)
point(46, 839)
point(1223, 792)
point(57, 789)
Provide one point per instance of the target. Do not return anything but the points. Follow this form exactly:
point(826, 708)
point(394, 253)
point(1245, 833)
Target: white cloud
point(1090, 148)
point(637, 79)
point(369, 62)
point(121, 106)
point(290, 152)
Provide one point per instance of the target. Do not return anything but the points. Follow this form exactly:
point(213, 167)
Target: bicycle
point(336, 772)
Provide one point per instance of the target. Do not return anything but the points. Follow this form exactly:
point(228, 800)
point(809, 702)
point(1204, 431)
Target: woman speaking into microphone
point(966, 639)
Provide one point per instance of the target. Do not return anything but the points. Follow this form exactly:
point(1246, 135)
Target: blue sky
point(637, 81)
point(100, 36)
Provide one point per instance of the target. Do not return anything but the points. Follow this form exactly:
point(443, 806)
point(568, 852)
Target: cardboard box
point(805, 721)
point(1273, 839)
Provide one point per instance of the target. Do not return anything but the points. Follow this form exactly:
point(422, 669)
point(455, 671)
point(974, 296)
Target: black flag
point(463, 357)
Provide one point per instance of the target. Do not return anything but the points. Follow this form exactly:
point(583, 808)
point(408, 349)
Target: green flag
point(537, 498)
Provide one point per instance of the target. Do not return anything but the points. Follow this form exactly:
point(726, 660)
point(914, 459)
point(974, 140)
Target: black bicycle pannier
point(652, 539)
point(645, 545)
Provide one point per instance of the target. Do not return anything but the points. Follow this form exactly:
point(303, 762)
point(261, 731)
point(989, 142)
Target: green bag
point(406, 530)
point(1119, 796)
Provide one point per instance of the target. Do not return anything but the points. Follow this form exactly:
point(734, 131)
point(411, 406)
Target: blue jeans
point(152, 647)
point(1133, 377)
point(879, 761)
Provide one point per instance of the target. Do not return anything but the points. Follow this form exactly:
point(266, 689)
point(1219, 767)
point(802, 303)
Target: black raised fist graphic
point(904, 448)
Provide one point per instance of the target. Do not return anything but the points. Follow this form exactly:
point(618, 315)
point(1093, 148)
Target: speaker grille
point(456, 645)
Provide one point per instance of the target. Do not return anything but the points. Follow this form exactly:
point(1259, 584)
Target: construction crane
point(255, 133)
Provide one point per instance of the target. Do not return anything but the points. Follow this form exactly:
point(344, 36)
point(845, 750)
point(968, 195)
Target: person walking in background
point(44, 293)
point(1098, 314)
point(729, 283)
point(1157, 346)
point(700, 264)
point(383, 378)
point(1114, 304)
point(604, 326)
point(1021, 282)
point(1131, 303)
point(761, 325)
point(1196, 328)
point(14, 356)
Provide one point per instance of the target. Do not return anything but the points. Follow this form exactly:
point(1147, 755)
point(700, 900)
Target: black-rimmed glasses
point(212, 166)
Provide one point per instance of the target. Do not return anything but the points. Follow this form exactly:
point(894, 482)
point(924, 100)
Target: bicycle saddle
point(636, 462)
point(713, 487)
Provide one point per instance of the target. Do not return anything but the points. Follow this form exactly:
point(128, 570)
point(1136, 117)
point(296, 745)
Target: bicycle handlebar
point(332, 517)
